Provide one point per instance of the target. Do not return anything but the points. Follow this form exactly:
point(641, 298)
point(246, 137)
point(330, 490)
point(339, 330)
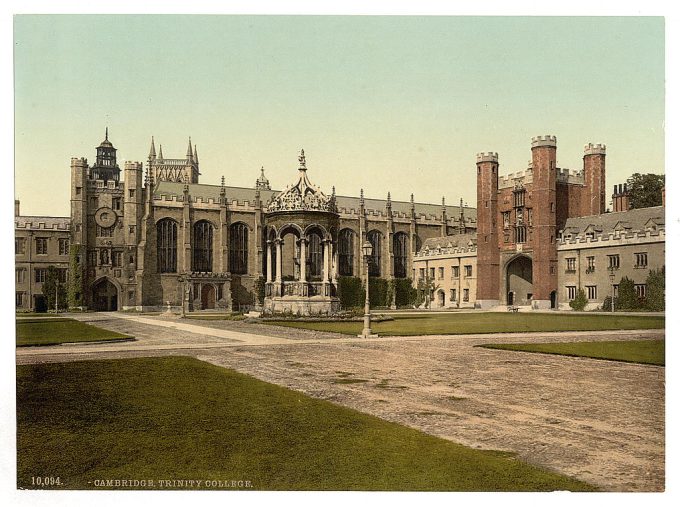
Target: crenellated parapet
point(594, 149)
point(547, 140)
point(489, 156)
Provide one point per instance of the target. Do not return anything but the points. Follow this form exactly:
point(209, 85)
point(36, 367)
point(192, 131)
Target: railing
point(301, 289)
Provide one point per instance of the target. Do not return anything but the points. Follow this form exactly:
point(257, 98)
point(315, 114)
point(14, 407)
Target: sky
point(383, 103)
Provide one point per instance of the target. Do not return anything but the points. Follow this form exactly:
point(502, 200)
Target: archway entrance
point(553, 300)
point(519, 282)
point(207, 297)
point(440, 299)
point(105, 296)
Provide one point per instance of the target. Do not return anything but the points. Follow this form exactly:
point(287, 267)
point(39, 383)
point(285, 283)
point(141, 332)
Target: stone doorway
point(105, 296)
point(441, 299)
point(207, 297)
point(519, 281)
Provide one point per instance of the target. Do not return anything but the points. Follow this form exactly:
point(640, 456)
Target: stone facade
point(518, 252)
point(519, 216)
point(590, 249)
point(146, 241)
point(450, 264)
point(39, 242)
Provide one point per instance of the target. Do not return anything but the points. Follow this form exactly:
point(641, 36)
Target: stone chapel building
point(155, 237)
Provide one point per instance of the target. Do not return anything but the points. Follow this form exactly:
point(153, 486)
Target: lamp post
point(611, 279)
point(367, 250)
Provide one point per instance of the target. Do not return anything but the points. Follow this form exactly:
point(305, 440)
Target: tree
point(75, 279)
point(656, 287)
point(627, 299)
point(579, 302)
point(644, 190)
point(53, 289)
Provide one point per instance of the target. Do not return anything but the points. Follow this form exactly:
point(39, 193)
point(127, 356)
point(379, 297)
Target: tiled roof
point(453, 241)
point(631, 220)
point(242, 194)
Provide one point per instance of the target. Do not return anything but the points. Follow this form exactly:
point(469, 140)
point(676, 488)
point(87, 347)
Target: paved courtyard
point(599, 421)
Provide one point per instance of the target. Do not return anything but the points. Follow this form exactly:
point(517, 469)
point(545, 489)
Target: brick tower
point(544, 258)
point(488, 251)
point(593, 196)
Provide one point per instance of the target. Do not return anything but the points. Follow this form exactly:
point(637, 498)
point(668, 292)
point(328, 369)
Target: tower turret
point(593, 196)
point(544, 198)
point(488, 250)
point(105, 167)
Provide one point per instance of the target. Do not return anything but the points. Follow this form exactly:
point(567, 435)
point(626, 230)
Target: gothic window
point(41, 246)
point(104, 232)
point(116, 258)
point(520, 234)
point(63, 246)
point(20, 246)
point(614, 261)
point(641, 260)
point(202, 247)
point(20, 275)
point(238, 248)
point(400, 249)
point(40, 275)
point(314, 255)
point(375, 261)
point(346, 252)
point(166, 245)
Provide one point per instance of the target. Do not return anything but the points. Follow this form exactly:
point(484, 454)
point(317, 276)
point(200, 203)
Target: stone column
point(269, 261)
point(303, 260)
point(326, 261)
point(336, 260)
point(278, 261)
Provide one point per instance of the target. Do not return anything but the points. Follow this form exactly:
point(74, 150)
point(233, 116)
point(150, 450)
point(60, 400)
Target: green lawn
point(489, 322)
point(60, 330)
point(180, 418)
point(634, 351)
point(35, 314)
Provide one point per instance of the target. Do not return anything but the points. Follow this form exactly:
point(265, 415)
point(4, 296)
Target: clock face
point(105, 217)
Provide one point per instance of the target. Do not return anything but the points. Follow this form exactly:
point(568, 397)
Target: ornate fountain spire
point(303, 195)
point(303, 162)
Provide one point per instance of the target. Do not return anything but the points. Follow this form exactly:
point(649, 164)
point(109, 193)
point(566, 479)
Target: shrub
point(627, 299)
point(350, 292)
point(378, 292)
point(656, 288)
point(405, 294)
point(75, 279)
point(54, 290)
point(580, 301)
point(607, 304)
point(259, 289)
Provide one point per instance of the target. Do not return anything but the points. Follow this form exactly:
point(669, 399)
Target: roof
point(453, 241)
point(631, 220)
point(243, 194)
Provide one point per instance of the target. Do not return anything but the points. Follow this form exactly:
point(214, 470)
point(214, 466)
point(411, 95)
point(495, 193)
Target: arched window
point(238, 248)
point(375, 262)
point(166, 245)
point(202, 247)
point(400, 249)
point(314, 254)
point(346, 252)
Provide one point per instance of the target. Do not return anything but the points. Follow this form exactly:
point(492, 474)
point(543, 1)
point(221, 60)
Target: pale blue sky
point(384, 103)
